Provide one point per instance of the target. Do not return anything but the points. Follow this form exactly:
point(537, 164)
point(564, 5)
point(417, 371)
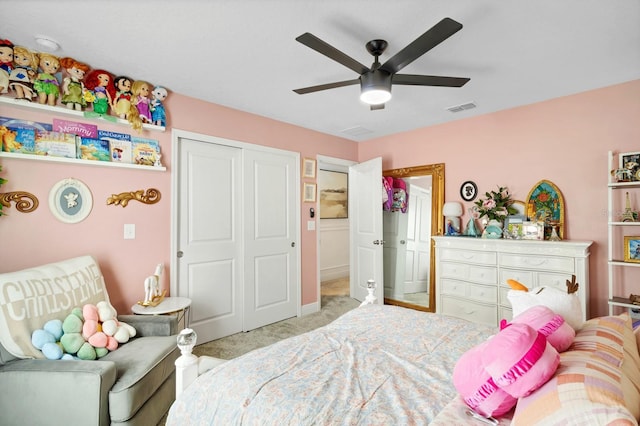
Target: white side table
point(170, 305)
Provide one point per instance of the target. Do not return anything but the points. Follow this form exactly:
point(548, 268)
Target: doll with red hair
point(100, 82)
point(73, 86)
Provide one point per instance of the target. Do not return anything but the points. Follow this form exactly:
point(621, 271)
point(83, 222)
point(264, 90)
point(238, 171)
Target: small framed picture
point(632, 249)
point(70, 200)
point(309, 168)
point(469, 191)
point(309, 193)
point(513, 227)
point(630, 161)
point(532, 230)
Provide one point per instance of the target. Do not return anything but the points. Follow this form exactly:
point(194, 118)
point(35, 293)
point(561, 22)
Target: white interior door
point(365, 211)
point(271, 220)
point(209, 263)
point(418, 253)
point(236, 228)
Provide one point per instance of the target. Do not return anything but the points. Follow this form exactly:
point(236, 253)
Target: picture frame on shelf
point(630, 161)
point(545, 204)
point(632, 249)
point(70, 200)
point(532, 230)
point(513, 227)
point(309, 192)
point(308, 168)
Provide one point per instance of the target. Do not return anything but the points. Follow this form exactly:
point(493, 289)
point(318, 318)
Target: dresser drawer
point(480, 293)
point(505, 313)
point(523, 277)
point(558, 281)
point(465, 272)
point(539, 263)
point(468, 310)
point(468, 256)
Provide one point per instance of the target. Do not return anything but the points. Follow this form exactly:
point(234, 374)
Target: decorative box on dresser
point(472, 273)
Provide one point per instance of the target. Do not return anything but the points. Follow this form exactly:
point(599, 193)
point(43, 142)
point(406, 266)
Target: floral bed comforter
point(382, 365)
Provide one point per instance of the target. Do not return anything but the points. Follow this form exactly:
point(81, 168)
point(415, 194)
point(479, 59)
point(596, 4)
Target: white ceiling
point(243, 53)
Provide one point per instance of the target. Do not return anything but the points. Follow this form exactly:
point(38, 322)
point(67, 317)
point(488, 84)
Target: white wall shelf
point(614, 240)
point(6, 100)
point(34, 157)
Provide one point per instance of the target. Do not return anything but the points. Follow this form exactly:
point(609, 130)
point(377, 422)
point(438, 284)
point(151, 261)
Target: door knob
point(293, 244)
point(402, 241)
point(378, 242)
point(180, 253)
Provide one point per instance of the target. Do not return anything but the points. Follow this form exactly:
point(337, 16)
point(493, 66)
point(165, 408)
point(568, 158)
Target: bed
point(389, 365)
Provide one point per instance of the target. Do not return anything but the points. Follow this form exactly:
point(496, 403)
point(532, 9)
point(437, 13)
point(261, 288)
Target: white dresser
point(472, 273)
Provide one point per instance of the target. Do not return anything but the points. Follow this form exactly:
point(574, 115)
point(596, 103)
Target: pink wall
point(563, 140)
point(35, 238)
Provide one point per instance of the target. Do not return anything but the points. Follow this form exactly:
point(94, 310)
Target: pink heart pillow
point(476, 386)
point(553, 326)
point(519, 359)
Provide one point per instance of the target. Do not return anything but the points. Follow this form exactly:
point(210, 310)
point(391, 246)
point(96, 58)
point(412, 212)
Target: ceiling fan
point(375, 82)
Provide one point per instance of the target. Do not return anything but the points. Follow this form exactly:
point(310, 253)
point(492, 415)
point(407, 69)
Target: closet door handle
point(378, 242)
point(293, 244)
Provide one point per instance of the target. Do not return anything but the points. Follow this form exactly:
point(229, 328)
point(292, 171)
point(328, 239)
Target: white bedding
point(374, 365)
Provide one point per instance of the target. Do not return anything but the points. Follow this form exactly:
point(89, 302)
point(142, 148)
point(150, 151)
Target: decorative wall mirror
point(409, 256)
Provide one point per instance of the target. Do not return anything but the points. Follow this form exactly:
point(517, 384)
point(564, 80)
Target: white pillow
point(567, 305)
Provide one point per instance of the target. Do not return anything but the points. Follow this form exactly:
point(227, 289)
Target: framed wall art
point(334, 194)
point(630, 161)
point(632, 249)
point(546, 204)
point(468, 191)
point(309, 168)
point(309, 192)
point(70, 200)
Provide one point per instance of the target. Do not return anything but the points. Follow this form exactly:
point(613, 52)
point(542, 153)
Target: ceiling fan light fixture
point(375, 87)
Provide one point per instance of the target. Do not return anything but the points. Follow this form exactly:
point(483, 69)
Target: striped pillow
point(587, 387)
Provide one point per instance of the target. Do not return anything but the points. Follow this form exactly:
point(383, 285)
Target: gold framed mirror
point(407, 238)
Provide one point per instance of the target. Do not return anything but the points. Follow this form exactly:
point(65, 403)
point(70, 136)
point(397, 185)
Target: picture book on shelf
point(94, 149)
point(119, 145)
point(80, 129)
point(55, 144)
point(17, 140)
point(16, 123)
point(120, 151)
point(145, 151)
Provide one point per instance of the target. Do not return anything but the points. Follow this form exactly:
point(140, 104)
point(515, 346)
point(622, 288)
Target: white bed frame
point(190, 366)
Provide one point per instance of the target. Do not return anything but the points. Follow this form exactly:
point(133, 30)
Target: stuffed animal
point(553, 326)
point(87, 334)
point(566, 303)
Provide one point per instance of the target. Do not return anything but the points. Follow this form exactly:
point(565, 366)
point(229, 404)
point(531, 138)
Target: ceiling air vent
point(461, 107)
point(356, 131)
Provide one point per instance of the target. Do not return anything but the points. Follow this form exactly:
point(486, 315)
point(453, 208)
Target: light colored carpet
point(241, 343)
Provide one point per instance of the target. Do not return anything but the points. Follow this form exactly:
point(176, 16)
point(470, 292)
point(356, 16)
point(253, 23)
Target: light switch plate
point(311, 225)
point(129, 231)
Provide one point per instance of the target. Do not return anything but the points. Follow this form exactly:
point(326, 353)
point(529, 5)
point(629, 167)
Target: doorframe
point(338, 165)
point(176, 135)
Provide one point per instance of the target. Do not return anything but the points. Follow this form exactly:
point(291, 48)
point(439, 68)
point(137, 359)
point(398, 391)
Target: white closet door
point(271, 210)
point(209, 223)
point(365, 216)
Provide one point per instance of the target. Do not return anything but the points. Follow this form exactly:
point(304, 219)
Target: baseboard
point(334, 273)
point(310, 308)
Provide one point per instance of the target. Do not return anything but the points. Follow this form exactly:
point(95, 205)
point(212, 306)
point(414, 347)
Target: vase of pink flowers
point(492, 210)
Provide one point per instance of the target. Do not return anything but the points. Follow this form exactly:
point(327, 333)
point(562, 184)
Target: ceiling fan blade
point(327, 86)
point(331, 52)
point(428, 80)
point(427, 41)
point(375, 107)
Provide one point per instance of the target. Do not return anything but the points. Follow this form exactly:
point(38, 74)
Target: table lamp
point(452, 211)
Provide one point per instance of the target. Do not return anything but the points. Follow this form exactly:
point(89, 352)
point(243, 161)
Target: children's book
point(81, 129)
point(120, 151)
point(94, 149)
point(119, 145)
point(55, 144)
point(17, 123)
point(145, 151)
point(17, 140)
